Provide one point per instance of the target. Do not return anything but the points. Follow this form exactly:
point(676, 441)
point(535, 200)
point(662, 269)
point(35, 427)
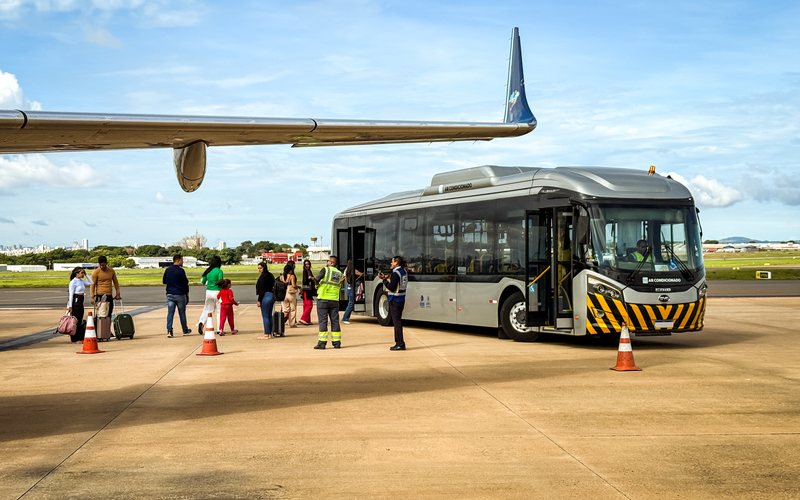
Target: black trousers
point(396, 311)
point(77, 311)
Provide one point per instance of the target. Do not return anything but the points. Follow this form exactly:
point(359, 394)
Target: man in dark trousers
point(329, 284)
point(396, 288)
point(177, 293)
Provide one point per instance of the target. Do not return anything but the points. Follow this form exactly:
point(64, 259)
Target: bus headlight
point(604, 289)
point(701, 292)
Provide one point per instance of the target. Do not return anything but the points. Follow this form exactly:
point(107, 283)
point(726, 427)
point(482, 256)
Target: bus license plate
point(664, 324)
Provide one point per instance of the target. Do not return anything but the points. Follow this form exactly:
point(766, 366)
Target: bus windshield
point(650, 239)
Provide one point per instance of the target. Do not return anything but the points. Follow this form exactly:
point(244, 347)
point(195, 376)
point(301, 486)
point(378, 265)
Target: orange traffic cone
point(209, 339)
point(625, 361)
point(90, 338)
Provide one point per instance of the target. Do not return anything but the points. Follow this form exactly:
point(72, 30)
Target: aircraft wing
point(41, 131)
point(189, 136)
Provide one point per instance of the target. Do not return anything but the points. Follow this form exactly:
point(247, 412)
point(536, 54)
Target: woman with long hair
point(290, 302)
point(265, 298)
point(309, 285)
point(77, 288)
point(211, 275)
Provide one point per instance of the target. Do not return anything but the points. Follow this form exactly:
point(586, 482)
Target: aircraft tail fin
point(517, 109)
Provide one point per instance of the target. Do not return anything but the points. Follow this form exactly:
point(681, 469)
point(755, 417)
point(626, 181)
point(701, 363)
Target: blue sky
point(706, 91)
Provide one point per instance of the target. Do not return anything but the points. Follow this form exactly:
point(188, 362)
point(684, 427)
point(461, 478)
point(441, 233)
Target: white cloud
point(709, 192)
point(9, 8)
point(11, 95)
point(25, 170)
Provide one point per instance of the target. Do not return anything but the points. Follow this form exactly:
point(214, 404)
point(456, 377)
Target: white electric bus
point(535, 250)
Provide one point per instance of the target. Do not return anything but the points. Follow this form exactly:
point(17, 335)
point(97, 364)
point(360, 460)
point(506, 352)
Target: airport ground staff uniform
point(642, 252)
point(329, 284)
point(396, 288)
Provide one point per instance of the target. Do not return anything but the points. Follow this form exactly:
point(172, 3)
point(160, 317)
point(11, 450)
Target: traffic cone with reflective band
point(625, 361)
point(209, 339)
point(90, 338)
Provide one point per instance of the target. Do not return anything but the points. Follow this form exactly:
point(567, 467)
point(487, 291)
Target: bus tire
point(512, 320)
point(382, 309)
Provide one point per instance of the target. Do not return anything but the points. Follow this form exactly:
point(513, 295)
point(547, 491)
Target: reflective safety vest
point(403, 284)
point(328, 288)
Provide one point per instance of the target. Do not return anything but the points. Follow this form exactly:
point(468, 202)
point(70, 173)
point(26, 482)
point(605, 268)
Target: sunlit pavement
point(712, 414)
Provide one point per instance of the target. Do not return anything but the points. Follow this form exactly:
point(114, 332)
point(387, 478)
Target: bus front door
point(539, 275)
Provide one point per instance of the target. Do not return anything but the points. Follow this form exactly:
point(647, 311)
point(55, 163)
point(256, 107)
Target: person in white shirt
point(77, 288)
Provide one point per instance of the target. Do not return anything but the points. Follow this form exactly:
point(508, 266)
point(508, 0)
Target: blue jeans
point(351, 302)
point(180, 301)
point(267, 301)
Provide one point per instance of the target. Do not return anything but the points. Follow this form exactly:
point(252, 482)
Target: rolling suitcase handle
point(120, 304)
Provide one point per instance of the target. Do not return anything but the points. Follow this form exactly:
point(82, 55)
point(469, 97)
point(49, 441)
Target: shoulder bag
point(67, 325)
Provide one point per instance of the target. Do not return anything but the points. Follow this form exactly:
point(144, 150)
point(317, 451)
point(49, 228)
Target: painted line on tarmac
point(35, 338)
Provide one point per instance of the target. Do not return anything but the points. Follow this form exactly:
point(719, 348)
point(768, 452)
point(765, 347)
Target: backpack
point(280, 289)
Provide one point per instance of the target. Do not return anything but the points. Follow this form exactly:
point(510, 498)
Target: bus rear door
point(356, 244)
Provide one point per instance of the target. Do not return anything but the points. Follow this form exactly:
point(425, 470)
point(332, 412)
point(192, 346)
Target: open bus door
point(549, 271)
point(356, 244)
point(539, 297)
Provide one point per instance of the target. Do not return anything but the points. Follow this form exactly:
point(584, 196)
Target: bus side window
point(440, 236)
point(475, 249)
point(510, 237)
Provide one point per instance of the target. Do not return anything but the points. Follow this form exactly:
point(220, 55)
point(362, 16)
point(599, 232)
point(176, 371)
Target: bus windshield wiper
point(687, 273)
point(638, 267)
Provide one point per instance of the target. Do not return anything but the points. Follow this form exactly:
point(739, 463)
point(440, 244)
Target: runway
point(154, 295)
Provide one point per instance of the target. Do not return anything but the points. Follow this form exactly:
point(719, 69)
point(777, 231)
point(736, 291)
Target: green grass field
point(729, 266)
point(743, 266)
point(239, 275)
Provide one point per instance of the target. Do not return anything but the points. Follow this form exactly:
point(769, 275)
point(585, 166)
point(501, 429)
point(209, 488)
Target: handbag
point(102, 309)
point(67, 325)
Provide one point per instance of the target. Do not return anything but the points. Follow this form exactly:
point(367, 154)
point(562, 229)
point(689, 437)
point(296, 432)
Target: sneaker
point(337, 345)
point(221, 334)
point(169, 334)
point(200, 328)
point(234, 332)
point(188, 332)
point(306, 323)
point(346, 322)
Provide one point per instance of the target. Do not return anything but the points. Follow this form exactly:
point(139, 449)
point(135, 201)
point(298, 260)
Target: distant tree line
point(119, 256)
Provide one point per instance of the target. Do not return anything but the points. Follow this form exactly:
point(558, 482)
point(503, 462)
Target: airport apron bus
point(535, 250)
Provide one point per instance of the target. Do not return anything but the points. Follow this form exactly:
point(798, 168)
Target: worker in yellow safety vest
point(643, 252)
point(329, 284)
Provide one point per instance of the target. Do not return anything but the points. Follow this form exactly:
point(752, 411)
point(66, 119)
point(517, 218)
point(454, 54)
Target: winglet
point(517, 110)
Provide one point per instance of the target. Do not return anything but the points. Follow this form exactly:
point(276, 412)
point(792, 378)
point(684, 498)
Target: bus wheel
point(382, 310)
point(512, 320)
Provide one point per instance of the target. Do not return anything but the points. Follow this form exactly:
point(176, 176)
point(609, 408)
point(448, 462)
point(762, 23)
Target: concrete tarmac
point(714, 414)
